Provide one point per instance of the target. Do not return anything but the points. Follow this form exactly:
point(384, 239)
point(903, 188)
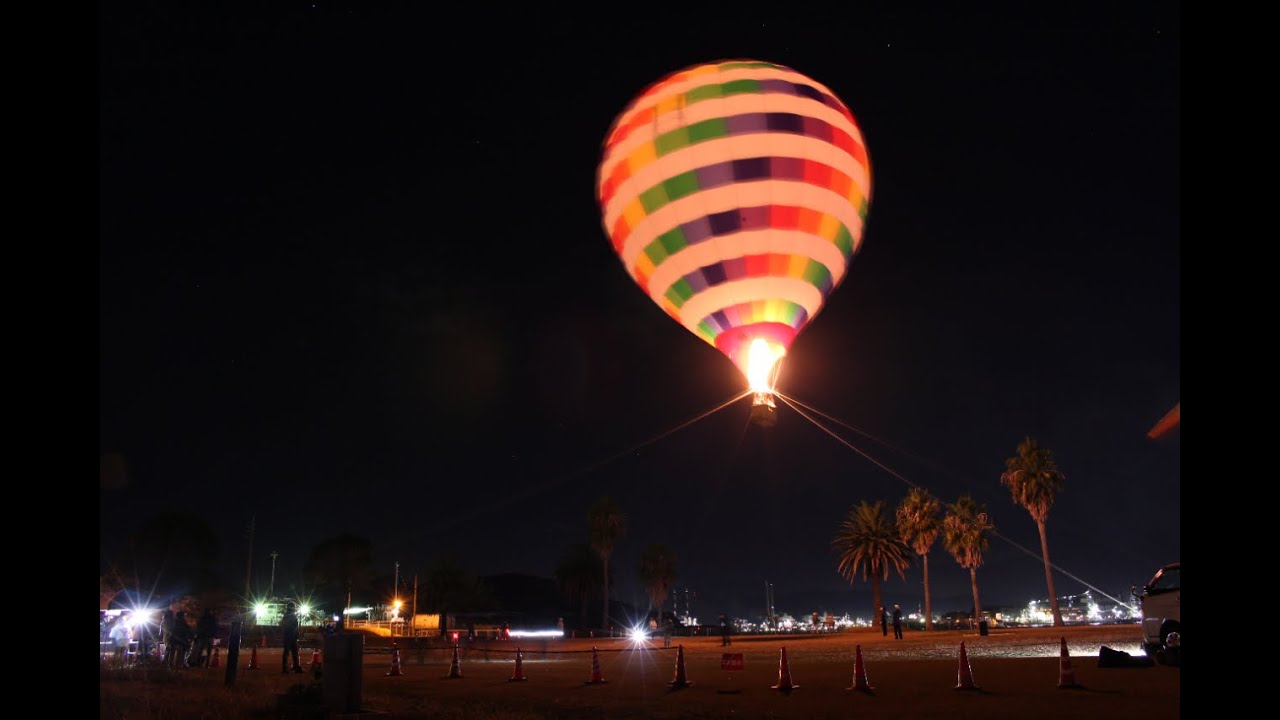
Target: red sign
point(731, 661)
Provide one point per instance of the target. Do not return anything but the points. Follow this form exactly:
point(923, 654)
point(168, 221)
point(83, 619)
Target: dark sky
point(353, 279)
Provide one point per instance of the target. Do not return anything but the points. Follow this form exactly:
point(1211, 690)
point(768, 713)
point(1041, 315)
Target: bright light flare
point(638, 635)
point(762, 357)
point(305, 609)
point(536, 633)
point(260, 609)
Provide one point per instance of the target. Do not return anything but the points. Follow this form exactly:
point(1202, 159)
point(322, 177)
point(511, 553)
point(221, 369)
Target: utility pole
point(395, 584)
point(768, 602)
point(415, 593)
point(248, 570)
point(271, 589)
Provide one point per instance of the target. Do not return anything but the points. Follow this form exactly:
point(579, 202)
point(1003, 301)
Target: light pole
point(271, 588)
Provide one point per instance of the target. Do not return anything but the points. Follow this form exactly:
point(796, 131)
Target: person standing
point(897, 622)
point(206, 629)
point(724, 630)
point(666, 633)
point(166, 636)
point(181, 639)
point(290, 626)
point(884, 621)
point(119, 635)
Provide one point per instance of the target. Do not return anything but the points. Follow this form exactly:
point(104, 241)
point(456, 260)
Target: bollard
point(233, 652)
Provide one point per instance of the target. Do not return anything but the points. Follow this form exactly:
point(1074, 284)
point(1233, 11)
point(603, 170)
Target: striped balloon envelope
point(735, 194)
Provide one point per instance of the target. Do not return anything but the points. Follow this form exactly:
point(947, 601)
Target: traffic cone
point(964, 678)
point(597, 678)
point(213, 661)
point(860, 681)
point(680, 680)
point(518, 675)
point(395, 662)
point(1066, 676)
point(784, 674)
point(264, 640)
point(315, 659)
point(455, 667)
point(253, 659)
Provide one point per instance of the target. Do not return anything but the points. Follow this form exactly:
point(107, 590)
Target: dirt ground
point(1016, 670)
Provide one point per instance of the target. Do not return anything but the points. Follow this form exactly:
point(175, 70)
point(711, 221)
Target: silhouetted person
point(206, 629)
point(289, 624)
point(897, 622)
point(724, 630)
point(166, 636)
point(884, 621)
point(180, 640)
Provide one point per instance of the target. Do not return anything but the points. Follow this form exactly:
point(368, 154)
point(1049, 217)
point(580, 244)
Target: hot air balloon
point(735, 194)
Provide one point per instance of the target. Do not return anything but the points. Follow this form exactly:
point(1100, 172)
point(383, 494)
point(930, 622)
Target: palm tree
point(1034, 479)
point(657, 572)
point(966, 533)
point(607, 526)
point(867, 540)
point(578, 577)
point(918, 524)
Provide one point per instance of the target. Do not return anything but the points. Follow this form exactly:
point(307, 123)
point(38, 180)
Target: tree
point(1032, 475)
point(867, 540)
point(966, 533)
point(607, 526)
point(919, 525)
point(448, 588)
point(338, 567)
point(578, 576)
point(174, 553)
point(657, 572)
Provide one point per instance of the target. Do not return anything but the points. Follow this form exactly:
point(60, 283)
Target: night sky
point(353, 278)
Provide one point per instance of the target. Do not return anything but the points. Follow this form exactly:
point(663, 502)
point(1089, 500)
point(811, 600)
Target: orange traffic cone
point(264, 640)
point(213, 661)
point(455, 668)
point(964, 678)
point(317, 666)
point(860, 681)
point(784, 674)
point(1066, 676)
point(395, 662)
point(680, 680)
point(597, 677)
point(253, 659)
point(518, 675)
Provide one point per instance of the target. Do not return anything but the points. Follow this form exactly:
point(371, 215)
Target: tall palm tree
point(919, 525)
point(657, 572)
point(1033, 477)
point(867, 540)
point(607, 526)
point(966, 532)
point(578, 577)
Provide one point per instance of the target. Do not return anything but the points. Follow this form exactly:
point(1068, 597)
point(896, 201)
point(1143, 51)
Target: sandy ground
point(1017, 671)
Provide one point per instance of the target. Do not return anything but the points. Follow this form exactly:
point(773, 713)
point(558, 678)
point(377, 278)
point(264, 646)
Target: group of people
point(185, 644)
point(897, 621)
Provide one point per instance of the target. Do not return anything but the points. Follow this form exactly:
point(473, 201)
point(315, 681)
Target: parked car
point(1160, 600)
